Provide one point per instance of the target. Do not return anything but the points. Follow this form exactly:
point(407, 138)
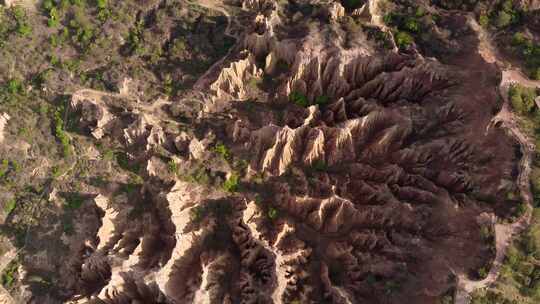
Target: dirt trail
point(154, 112)
point(204, 80)
point(504, 233)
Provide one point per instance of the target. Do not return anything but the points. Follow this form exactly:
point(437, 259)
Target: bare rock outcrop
point(4, 118)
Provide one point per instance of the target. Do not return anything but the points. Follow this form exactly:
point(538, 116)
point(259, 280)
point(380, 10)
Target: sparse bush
point(10, 206)
point(319, 165)
point(22, 26)
point(403, 39)
point(503, 19)
point(59, 131)
point(9, 274)
point(14, 86)
point(172, 166)
point(272, 213)
point(321, 100)
point(198, 175)
point(104, 12)
point(4, 168)
point(483, 20)
point(522, 99)
point(73, 200)
point(223, 151)
point(168, 85)
point(299, 99)
point(231, 184)
point(178, 47)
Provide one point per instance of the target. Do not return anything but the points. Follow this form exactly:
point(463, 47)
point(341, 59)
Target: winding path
point(204, 80)
point(504, 233)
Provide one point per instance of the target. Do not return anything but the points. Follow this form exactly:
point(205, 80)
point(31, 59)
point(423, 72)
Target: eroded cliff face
point(365, 174)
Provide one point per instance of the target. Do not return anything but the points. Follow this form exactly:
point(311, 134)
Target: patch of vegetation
point(232, 183)
point(505, 14)
point(60, 132)
point(199, 175)
point(222, 151)
point(9, 275)
point(10, 206)
point(490, 297)
point(4, 168)
point(73, 200)
point(22, 28)
point(529, 51)
point(123, 161)
point(413, 24)
point(273, 213)
point(523, 101)
point(135, 40)
point(12, 91)
point(403, 39)
point(301, 100)
point(172, 166)
point(407, 25)
point(520, 273)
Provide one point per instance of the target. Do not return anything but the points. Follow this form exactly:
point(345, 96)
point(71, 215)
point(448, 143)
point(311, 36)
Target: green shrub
point(403, 39)
point(14, 86)
point(231, 184)
point(299, 99)
point(54, 18)
point(518, 39)
point(321, 100)
point(104, 12)
point(483, 20)
point(4, 168)
point(412, 25)
point(10, 206)
point(522, 99)
point(22, 26)
point(172, 166)
point(503, 19)
point(59, 131)
point(73, 201)
point(482, 273)
point(223, 151)
point(9, 274)
point(178, 47)
point(272, 213)
point(168, 85)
